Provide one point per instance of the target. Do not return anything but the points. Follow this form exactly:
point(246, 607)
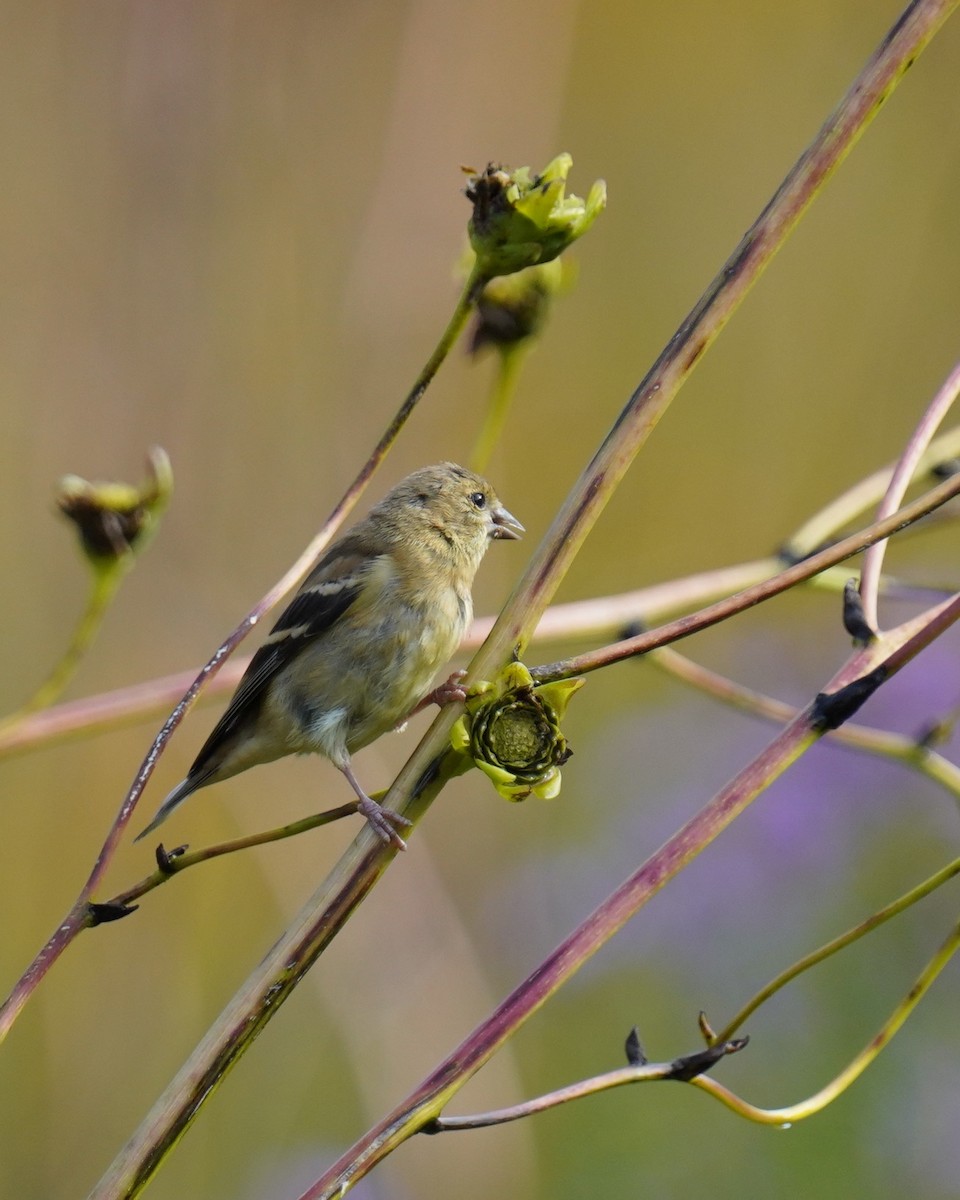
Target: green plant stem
point(78, 917)
point(817, 1102)
point(646, 1072)
point(509, 361)
point(901, 904)
point(104, 585)
point(177, 860)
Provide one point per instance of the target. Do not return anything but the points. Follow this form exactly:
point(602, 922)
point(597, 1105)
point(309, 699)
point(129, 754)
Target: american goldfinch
point(357, 647)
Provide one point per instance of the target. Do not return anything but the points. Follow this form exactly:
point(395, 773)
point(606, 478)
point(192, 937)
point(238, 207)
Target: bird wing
point(328, 591)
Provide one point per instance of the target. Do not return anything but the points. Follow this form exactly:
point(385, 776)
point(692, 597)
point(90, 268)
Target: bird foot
point(384, 821)
point(449, 692)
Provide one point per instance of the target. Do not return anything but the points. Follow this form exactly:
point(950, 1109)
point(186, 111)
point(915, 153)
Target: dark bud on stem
point(854, 620)
point(634, 1049)
point(115, 519)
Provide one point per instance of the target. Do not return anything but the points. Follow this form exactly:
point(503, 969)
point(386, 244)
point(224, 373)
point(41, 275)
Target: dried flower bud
point(519, 220)
point(116, 519)
point(511, 730)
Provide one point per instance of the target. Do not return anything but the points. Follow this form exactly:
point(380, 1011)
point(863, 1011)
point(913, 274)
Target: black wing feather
point(327, 593)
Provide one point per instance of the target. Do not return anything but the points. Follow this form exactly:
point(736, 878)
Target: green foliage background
point(229, 229)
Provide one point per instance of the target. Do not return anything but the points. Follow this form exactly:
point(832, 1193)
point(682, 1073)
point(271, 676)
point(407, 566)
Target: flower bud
point(519, 220)
point(511, 730)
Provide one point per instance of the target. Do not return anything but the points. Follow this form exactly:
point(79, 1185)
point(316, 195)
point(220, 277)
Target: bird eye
point(478, 499)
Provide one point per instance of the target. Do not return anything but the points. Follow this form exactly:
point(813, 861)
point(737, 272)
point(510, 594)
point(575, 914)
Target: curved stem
point(646, 1072)
point(854, 502)
point(901, 904)
point(905, 469)
point(104, 586)
point(817, 1102)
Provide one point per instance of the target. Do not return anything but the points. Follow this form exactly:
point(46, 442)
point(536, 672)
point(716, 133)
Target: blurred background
point(231, 229)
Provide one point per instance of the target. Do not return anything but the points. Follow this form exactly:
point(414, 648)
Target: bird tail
point(174, 800)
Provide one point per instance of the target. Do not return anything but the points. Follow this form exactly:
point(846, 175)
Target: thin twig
point(172, 862)
point(901, 904)
point(913, 452)
point(784, 1117)
point(686, 1069)
point(714, 613)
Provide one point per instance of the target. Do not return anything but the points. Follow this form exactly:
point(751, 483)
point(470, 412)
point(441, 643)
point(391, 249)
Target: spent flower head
point(511, 730)
point(116, 519)
point(520, 219)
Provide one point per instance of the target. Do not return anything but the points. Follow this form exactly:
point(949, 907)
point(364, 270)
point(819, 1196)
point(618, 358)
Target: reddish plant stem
point(683, 627)
point(426, 1103)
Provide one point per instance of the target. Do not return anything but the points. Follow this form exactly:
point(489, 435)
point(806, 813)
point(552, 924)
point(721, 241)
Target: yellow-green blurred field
point(231, 229)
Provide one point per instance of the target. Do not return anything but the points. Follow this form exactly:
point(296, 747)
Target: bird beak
point(505, 525)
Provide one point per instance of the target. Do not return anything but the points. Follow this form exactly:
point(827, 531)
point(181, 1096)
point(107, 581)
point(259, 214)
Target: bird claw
point(384, 822)
point(451, 690)
point(448, 692)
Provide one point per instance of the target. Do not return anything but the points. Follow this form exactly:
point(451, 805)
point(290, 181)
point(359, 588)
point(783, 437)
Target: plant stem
point(816, 1103)
point(105, 583)
point(509, 361)
point(920, 892)
point(176, 861)
point(714, 613)
point(910, 459)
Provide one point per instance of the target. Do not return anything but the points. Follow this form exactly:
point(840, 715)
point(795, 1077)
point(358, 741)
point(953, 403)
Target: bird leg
point(384, 821)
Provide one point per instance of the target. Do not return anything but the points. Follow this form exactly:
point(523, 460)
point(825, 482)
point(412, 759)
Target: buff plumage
point(356, 649)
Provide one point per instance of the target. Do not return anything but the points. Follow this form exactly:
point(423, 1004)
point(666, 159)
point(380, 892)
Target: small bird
point(354, 652)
